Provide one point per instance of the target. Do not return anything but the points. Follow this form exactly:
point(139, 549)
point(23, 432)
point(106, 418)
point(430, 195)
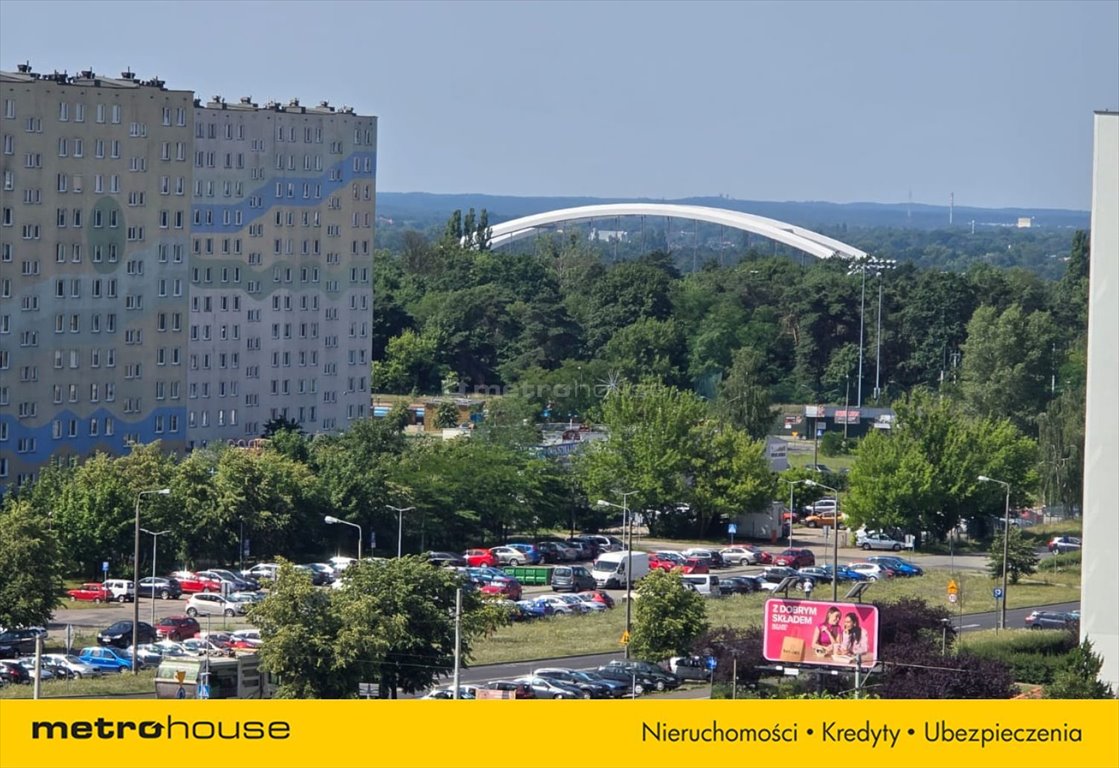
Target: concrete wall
point(1099, 619)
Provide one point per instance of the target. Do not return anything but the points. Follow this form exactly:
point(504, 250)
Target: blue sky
point(833, 101)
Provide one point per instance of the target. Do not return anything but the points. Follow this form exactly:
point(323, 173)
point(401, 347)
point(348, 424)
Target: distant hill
point(425, 207)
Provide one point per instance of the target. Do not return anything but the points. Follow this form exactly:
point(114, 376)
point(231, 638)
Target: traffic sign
point(203, 691)
point(998, 593)
point(732, 528)
point(625, 638)
point(104, 566)
point(952, 597)
point(180, 676)
point(953, 589)
point(712, 662)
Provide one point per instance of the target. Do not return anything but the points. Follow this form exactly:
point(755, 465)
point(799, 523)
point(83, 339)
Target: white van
point(609, 570)
point(122, 590)
point(706, 584)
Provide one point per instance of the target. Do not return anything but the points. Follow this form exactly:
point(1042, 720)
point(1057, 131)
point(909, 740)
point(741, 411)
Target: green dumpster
point(531, 575)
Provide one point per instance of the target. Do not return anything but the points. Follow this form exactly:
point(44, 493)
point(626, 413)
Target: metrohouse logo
point(170, 729)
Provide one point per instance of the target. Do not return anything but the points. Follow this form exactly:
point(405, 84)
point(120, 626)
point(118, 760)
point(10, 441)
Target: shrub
point(1078, 677)
point(1066, 561)
point(1032, 656)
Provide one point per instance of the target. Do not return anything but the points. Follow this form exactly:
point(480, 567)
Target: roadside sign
point(712, 662)
point(625, 638)
point(998, 593)
point(732, 529)
point(203, 691)
point(104, 566)
point(952, 597)
point(953, 589)
point(180, 676)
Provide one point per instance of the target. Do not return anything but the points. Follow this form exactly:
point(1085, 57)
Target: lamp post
point(883, 265)
point(626, 524)
point(792, 484)
point(1005, 544)
point(155, 539)
point(861, 266)
point(332, 520)
point(399, 524)
point(835, 536)
point(136, 577)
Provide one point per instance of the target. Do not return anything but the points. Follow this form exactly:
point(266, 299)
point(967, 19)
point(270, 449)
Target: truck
point(769, 525)
point(185, 677)
point(609, 569)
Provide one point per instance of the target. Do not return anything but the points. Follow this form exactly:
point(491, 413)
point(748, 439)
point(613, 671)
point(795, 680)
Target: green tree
point(1021, 559)
point(1080, 676)
point(1007, 365)
point(30, 570)
point(300, 627)
point(744, 395)
point(410, 365)
point(446, 415)
point(667, 618)
point(731, 476)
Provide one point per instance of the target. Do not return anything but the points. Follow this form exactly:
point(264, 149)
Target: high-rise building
point(176, 272)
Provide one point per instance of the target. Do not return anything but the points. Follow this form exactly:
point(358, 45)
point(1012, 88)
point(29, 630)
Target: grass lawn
point(601, 632)
point(107, 684)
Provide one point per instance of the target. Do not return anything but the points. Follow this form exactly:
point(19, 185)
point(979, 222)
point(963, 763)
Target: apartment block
point(176, 271)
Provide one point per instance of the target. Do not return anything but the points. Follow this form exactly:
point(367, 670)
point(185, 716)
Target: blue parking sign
point(998, 593)
point(732, 528)
point(712, 662)
point(104, 566)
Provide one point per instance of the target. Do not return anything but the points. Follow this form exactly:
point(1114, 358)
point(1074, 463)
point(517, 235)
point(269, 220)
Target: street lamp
point(136, 578)
point(399, 524)
point(332, 520)
point(861, 266)
point(883, 265)
point(626, 523)
point(1005, 544)
point(792, 484)
point(155, 539)
point(835, 535)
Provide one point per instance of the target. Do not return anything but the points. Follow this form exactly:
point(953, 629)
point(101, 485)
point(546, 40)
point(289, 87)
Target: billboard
point(847, 416)
point(820, 633)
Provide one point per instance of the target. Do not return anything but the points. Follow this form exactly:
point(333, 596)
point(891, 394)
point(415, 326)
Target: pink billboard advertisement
point(814, 632)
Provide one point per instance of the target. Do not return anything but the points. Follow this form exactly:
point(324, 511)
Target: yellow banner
point(558, 734)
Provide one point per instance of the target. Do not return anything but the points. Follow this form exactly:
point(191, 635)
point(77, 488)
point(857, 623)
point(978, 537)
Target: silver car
point(76, 667)
point(877, 540)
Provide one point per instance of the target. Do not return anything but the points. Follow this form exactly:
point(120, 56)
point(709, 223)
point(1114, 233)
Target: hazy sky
point(834, 101)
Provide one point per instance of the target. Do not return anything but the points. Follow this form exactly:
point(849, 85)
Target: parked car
point(591, 547)
point(845, 573)
point(209, 603)
point(823, 519)
point(531, 609)
point(464, 692)
point(795, 558)
point(599, 595)
point(446, 559)
point(666, 561)
point(606, 543)
point(191, 582)
point(738, 585)
point(1061, 544)
point(559, 606)
point(1051, 620)
point(161, 587)
point(13, 673)
point(872, 571)
point(822, 506)
point(321, 574)
point(508, 556)
point(899, 565)
point(122, 590)
point(119, 634)
point(508, 588)
point(91, 591)
point(712, 558)
point(591, 687)
point(18, 641)
point(877, 540)
point(659, 679)
point(531, 553)
point(108, 659)
point(551, 688)
point(745, 554)
point(262, 572)
point(73, 665)
point(479, 557)
point(571, 578)
point(177, 627)
point(689, 668)
point(230, 582)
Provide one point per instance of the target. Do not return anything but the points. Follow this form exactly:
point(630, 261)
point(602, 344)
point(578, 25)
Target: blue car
point(107, 659)
point(529, 609)
point(532, 554)
point(898, 564)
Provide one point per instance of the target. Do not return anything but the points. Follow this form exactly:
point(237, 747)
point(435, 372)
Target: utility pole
point(458, 640)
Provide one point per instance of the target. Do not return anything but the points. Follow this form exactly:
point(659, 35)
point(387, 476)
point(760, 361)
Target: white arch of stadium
point(800, 238)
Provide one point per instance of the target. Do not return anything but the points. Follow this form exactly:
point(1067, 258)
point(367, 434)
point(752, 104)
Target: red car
point(508, 588)
point(476, 558)
point(191, 582)
point(177, 627)
point(795, 558)
point(665, 561)
point(93, 591)
point(695, 565)
point(600, 597)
